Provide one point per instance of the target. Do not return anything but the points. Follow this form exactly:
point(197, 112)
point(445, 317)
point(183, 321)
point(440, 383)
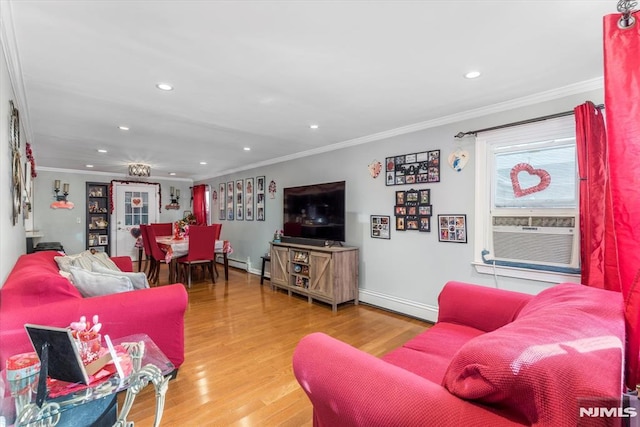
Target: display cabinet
point(98, 211)
point(328, 274)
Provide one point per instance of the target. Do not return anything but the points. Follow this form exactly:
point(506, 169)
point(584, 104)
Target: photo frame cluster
point(242, 199)
point(452, 228)
point(381, 226)
point(413, 210)
point(415, 168)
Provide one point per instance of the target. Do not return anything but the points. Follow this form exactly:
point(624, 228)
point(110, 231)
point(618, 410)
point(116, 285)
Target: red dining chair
point(162, 228)
point(157, 255)
point(217, 229)
point(201, 250)
point(147, 249)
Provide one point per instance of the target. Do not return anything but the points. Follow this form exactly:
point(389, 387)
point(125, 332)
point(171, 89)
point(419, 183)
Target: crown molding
point(10, 48)
point(110, 174)
point(525, 101)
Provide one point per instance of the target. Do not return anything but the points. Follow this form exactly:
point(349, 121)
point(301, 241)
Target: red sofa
point(35, 292)
point(494, 358)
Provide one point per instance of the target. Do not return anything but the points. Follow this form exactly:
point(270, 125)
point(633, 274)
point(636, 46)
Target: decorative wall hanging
point(230, 201)
point(380, 226)
point(375, 168)
point(413, 168)
point(518, 191)
point(14, 142)
point(458, 159)
point(413, 210)
point(272, 189)
point(452, 228)
point(260, 198)
point(221, 205)
point(249, 192)
point(239, 199)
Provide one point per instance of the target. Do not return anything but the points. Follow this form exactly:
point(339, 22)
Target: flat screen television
point(315, 211)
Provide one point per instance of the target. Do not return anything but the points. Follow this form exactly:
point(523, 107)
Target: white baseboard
point(400, 305)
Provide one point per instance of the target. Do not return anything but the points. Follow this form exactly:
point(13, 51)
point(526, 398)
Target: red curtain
point(622, 95)
point(200, 204)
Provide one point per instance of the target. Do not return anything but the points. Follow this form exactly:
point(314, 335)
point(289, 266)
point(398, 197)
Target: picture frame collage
point(413, 210)
point(415, 168)
point(381, 226)
point(452, 228)
point(242, 199)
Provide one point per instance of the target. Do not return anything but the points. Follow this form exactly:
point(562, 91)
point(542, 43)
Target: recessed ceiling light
point(313, 126)
point(172, 173)
point(100, 150)
point(203, 163)
point(123, 128)
point(472, 75)
point(164, 86)
point(247, 148)
point(89, 166)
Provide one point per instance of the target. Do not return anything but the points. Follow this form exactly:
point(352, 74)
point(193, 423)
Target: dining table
point(175, 248)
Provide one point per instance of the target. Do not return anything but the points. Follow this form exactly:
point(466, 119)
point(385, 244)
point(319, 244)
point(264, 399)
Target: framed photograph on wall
point(222, 200)
point(249, 198)
point(103, 239)
point(452, 228)
point(239, 199)
point(380, 226)
point(230, 200)
point(260, 199)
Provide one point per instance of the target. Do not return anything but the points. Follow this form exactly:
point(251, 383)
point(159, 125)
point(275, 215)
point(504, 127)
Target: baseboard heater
point(234, 262)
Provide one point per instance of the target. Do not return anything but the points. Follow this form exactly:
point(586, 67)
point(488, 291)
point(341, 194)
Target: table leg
point(226, 266)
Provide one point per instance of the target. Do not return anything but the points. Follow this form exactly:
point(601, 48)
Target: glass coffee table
point(150, 365)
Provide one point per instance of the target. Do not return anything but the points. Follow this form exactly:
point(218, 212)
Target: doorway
point(135, 204)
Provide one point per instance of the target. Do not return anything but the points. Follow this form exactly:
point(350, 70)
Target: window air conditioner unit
point(541, 240)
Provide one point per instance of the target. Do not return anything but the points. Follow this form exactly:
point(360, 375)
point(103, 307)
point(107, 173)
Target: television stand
point(324, 273)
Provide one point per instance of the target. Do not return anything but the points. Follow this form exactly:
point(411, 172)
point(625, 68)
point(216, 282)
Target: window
point(527, 207)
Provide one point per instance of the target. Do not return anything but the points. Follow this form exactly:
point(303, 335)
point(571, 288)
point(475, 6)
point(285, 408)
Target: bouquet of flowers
point(88, 338)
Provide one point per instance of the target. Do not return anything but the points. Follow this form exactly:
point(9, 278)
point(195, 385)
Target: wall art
point(380, 226)
point(249, 193)
point(452, 228)
point(260, 199)
point(413, 168)
point(222, 201)
point(230, 201)
point(413, 210)
point(239, 199)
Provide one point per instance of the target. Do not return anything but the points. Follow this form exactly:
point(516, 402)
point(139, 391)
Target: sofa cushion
point(65, 262)
point(430, 353)
point(87, 258)
point(138, 280)
point(91, 284)
point(566, 344)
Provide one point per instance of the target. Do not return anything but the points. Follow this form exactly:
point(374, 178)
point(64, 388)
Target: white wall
point(12, 237)
point(405, 273)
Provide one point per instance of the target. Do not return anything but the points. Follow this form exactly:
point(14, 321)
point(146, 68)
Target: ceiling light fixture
point(101, 150)
point(203, 163)
point(123, 128)
point(139, 169)
point(89, 166)
point(314, 126)
point(172, 173)
point(472, 75)
point(164, 86)
point(247, 148)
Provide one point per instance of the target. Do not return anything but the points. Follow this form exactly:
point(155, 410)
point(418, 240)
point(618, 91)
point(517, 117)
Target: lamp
point(139, 169)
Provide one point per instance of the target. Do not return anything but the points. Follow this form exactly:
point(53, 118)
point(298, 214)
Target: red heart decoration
point(136, 201)
point(545, 179)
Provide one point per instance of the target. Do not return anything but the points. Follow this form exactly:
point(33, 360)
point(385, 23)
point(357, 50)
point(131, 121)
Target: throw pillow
point(65, 262)
point(86, 258)
point(139, 280)
point(91, 284)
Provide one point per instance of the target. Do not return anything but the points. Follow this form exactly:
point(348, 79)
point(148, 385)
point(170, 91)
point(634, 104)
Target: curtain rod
point(522, 122)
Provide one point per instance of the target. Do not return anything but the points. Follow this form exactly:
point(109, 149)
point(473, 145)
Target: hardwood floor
point(239, 339)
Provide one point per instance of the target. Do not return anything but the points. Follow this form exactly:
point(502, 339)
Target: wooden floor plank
point(239, 340)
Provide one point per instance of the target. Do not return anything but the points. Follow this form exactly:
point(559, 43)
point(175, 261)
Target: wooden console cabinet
point(328, 274)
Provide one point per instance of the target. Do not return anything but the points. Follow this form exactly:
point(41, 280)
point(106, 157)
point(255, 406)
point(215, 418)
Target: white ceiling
point(258, 73)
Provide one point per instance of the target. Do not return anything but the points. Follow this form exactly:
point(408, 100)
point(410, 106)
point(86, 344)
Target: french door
point(134, 204)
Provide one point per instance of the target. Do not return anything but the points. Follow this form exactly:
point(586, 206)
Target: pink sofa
point(35, 292)
point(494, 358)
